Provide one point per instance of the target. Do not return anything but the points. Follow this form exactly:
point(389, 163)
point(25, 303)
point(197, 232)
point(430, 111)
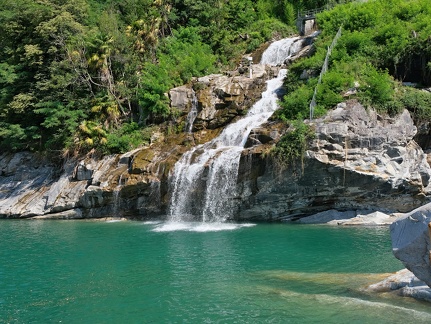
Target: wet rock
point(181, 98)
point(222, 98)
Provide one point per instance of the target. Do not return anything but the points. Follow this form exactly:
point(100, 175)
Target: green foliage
point(186, 56)
point(180, 57)
point(12, 137)
point(126, 138)
point(382, 42)
point(296, 105)
point(60, 123)
point(332, 86)
point(72, 72)
point(235, 26)
point(293, 144)
point(377, 87)
point(418, 102)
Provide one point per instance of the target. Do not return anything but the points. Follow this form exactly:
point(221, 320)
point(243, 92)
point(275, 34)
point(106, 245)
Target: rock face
point(33, 187)
point(220, 98)
point(181, 97)
point(411, 242)
point(358, 161)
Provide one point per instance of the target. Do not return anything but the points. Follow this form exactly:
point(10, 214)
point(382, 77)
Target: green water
point(134, 272)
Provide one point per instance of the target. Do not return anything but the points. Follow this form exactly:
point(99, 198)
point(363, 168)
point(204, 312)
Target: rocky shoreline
point(402, 283)
point(361, 169)
point(359, 162)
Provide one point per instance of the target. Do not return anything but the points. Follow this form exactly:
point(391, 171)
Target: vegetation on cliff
point(383, 44)
point(82, 74)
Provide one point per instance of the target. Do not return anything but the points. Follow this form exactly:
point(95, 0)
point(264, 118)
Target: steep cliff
point(358, 161)
point(134, 184)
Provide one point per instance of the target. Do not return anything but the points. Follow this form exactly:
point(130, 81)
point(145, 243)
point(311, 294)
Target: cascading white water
point(279, 51)
point(203, 185)
point(116, 196)
point(191, 116)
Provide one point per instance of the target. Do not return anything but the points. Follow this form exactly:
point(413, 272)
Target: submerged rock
point(403, 283)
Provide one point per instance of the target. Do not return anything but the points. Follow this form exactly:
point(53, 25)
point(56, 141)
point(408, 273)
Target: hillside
point(383, 44)
point(77, 75)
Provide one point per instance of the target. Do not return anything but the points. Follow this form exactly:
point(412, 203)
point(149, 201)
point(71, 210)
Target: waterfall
point(203, 184)
point(116, 197)
point(279, 51)
point(191, 116)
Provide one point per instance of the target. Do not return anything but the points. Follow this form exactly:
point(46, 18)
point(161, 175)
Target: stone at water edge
point(403, 283)
point(411, 242)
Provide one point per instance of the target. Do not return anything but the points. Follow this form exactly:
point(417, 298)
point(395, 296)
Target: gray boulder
point(405, 284)
point(411, 242)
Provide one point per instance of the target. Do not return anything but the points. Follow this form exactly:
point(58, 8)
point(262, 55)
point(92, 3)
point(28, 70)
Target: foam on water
point(199, 227)
point(151, 222)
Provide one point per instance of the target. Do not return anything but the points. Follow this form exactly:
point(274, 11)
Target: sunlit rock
point(411, 242)
point(403, 283)
point(359, 160)
point(82, 172)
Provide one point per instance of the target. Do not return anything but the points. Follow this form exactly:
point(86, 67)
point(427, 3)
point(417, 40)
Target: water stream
point(278, 52)
point(191, 116)
point(203, 185)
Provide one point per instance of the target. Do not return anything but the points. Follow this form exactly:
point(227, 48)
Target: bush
point(330, 90)
point(126, 138)
point(181, 57)
point(296, 105)
point(418, 102)
point(293, 144)
point(377, 87)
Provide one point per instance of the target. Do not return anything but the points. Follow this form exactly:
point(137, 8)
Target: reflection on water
point(158, 272)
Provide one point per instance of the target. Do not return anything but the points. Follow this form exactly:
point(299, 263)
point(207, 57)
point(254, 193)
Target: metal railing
point(323, 71)
point(311, 14)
